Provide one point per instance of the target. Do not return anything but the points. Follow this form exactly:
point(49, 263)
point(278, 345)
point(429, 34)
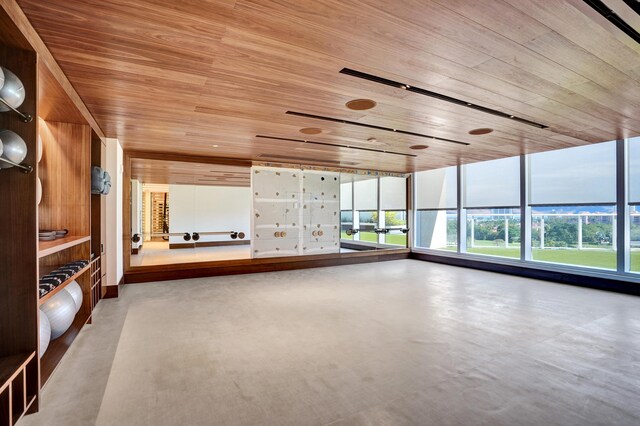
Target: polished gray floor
point(394, 343)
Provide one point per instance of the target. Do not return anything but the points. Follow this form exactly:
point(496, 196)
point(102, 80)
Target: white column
point(473, 232)
point(542, 232)
point(579, 232)
point(506, 231)
point(614, 234)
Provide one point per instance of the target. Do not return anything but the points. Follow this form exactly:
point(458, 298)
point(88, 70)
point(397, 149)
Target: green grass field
point(372, 237)
point(596, 258)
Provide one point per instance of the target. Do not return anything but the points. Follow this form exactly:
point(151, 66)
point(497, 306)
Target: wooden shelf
point(63, 285)
point(58, 347)
point(10, 366)
point(50, 247)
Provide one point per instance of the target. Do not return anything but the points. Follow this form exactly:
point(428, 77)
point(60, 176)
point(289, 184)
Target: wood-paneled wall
point(65, 171)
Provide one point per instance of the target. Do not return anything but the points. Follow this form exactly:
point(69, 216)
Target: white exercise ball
point(61, 310)
point(45, 333)
point(12, 90)
point(76, 292)
point(39, 149)
point(38, 190)
point(14, 148)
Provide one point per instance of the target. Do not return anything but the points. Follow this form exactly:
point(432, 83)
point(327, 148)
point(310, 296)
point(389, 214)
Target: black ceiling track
point(335, 145)
point(371, 126)
point(440, 96)
point(613, 17)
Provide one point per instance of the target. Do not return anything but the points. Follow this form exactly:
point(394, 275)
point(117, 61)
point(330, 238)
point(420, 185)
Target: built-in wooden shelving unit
point(47, 248)
point(70, 147)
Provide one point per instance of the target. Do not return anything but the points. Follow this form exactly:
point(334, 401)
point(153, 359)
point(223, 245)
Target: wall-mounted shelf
point(50, 247)
point(63, 285)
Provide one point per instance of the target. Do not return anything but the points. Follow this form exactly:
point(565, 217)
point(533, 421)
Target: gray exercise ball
point(76, 292)
point(1, 148)
point(61, 310)
point(12, 90)
point(14, 148)
point(45, 333)
point(1, 78)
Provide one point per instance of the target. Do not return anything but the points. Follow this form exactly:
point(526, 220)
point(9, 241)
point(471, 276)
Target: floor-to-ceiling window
point(491, 198)
point(573, 206)
point(436, 203)
point(633, 169)
point(576, 207)
point(393, 210)
point(365, 199)
point(346, 207)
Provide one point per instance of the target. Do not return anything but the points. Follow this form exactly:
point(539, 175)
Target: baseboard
point(210, 244)
point(599, 283)
point(111, 292)
point(250, 266)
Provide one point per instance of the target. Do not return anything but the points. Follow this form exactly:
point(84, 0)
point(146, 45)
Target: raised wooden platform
point(249, 266)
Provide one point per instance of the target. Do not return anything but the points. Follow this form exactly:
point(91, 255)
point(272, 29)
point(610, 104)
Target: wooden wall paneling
point(66, 180)
point(96, 200)
point(18, 233)
point(54, 104)
point(23, 24)
point(18, 227)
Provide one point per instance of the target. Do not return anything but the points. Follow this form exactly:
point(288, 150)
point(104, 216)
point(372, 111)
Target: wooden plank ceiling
point(205, 77)
point(182, 173)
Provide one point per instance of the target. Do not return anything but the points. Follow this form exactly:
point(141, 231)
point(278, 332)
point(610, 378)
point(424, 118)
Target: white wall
point(195, 208)
point(136, 210)
point(113, 246)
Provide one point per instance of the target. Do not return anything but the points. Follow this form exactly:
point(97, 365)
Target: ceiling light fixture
point(311, 131)
point(480, 131)
point(361, 104)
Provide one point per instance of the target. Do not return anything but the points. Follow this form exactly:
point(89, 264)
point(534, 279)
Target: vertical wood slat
point(66, 179)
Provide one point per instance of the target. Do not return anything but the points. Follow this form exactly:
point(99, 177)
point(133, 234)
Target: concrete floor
point(394, 343)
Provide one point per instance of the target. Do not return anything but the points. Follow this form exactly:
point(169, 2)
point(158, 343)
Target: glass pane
point(393, 193)
point(365, 193)
point(581, 175)
point(437, 189)
point(634, 237)
point(395, 222)
point(492, 183)
point(634, 170)
point(346, 223)
point(437, 229)
point(494, 232)
point(574, 235)
point(346, 192)
point(368, 223)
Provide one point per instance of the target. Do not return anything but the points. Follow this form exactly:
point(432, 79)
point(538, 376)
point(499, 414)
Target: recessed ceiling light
point(360, 104)
point(215, 146)
point(419, 146)
point(311, 131)
point(480, 131)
